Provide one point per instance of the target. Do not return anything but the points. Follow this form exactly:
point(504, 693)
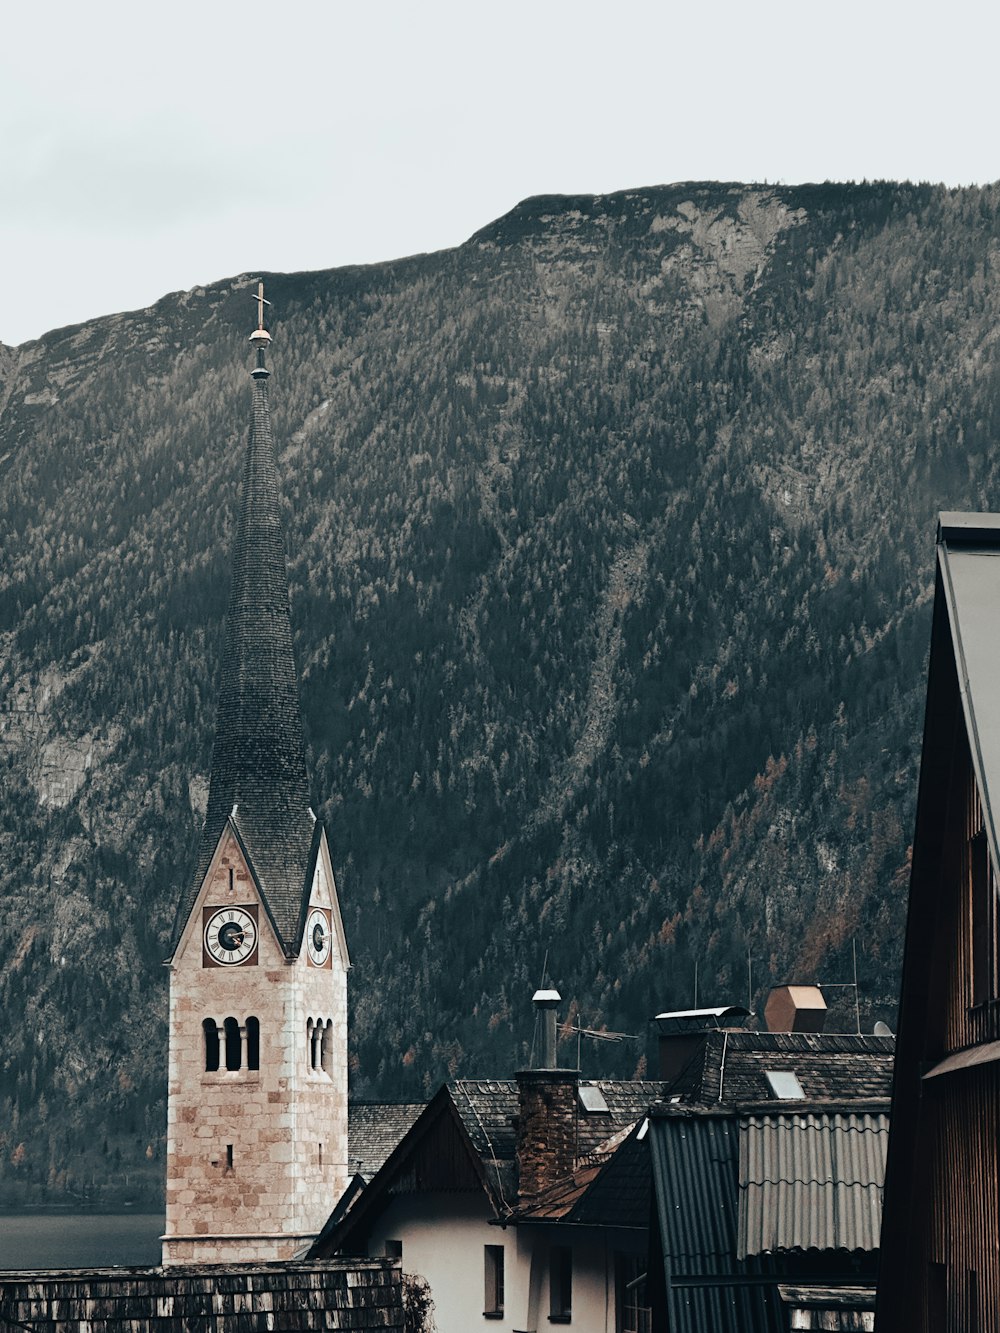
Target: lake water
point(89, 1240)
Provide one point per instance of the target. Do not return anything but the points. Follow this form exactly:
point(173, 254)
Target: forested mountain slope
point(610, 539)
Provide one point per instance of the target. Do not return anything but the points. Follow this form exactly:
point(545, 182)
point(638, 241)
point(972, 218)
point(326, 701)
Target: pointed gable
point(259, 777)
point(435, 1153)
point(941, 1210)
point(969, 561)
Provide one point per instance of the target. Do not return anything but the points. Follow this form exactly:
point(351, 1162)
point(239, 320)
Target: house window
point(560, 1284)
point(633, 1312)
point(394, 1249)
point(983, 920)
point(493, 1274)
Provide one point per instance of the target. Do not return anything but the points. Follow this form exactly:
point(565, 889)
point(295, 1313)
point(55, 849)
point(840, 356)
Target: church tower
point(257, 1096)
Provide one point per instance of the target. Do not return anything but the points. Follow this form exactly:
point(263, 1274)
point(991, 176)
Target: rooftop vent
point(795, 1009)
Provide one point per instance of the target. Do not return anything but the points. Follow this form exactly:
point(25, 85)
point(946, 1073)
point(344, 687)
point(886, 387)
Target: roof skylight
point(592, 1100)
point(784, 1084)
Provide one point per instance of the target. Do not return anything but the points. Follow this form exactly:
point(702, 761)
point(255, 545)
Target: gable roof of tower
point(259, 778)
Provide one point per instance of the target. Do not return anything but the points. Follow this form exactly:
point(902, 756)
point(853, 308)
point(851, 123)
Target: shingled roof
point(732, 1067)
point(373, 1131)
point(466, 1139)
point(259, 778)
point(351, 1294)
point(610, 1188)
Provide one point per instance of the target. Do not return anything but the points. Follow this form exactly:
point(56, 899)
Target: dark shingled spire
point(259, 774)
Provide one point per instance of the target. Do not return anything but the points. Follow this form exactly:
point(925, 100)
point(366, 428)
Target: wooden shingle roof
point(732, 1067)
point(354, 1294)
point(373, 1131)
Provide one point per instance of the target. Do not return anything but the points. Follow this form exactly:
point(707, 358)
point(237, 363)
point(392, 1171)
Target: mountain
point(610, 541)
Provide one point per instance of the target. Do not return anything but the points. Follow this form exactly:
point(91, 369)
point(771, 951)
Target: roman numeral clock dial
point(230, 936)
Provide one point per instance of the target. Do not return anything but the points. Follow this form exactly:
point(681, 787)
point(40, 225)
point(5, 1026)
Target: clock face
point(230, 936)
point(319, 939)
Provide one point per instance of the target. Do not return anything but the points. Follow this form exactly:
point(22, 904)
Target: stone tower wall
point(244, 1176)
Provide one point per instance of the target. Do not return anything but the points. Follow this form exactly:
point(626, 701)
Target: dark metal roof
point(373, 1131)
point(695, 1161)
point(621, 1193)
point(259, 774)
point(356, 1293)
point(811, 1181)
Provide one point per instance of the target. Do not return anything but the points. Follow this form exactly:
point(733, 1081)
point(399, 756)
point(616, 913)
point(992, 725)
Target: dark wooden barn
point(941, 1228)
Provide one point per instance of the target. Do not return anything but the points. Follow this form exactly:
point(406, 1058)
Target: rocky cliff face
point(610, 537)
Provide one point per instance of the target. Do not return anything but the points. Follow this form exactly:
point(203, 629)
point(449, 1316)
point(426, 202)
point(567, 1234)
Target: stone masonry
point(256, 1158)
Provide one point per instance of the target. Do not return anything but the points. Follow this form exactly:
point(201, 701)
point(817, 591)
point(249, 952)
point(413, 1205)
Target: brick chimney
point(546, 1123)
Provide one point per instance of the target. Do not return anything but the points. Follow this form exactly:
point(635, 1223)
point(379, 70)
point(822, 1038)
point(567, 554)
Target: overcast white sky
point(146, 148)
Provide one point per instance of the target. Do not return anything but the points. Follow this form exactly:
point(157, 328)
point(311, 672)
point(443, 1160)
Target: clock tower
point(257, 1095)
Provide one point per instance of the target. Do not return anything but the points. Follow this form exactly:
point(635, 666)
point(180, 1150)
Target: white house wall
point(443, 1238)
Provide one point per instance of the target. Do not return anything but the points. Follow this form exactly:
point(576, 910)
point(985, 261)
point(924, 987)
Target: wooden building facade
point(940, 1266)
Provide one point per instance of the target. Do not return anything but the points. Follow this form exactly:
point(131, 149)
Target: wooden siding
point(972, 1014)
point(940, 1268)
point(440, 1161)
point(959, 1266)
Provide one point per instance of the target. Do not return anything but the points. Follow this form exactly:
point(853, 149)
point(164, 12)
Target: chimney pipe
point(545, 1002)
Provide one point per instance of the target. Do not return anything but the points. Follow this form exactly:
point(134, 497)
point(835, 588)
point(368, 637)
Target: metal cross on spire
point(261, 303)
point(260, 338)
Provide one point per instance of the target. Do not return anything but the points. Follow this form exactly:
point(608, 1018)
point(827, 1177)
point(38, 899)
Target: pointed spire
point(259, 776)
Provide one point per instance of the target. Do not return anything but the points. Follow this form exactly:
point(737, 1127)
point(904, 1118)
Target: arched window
point(233, 1044)
point(253, 1043)
point(309, 1042)
point(326, 1047)
point(211, 1044)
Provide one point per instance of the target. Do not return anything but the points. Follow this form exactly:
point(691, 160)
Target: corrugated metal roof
point(811, 1182)
point(695, 1162)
